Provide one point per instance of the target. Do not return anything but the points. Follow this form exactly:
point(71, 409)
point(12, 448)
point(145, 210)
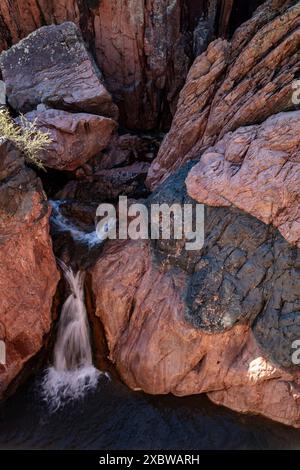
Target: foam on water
point(60, 388)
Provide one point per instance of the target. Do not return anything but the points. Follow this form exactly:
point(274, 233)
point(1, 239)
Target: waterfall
point(72, 349)
point(72, 374)
point(62, 224)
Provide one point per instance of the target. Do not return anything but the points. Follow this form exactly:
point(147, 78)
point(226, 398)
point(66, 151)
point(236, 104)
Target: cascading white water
point(72, 373)
point(72, 349)
point(62, 224)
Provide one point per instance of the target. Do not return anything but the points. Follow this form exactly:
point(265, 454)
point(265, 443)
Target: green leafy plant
point(27, 137)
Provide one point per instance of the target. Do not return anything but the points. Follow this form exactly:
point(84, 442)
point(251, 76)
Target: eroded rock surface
point(219, 320)
point(234, 84)
point(75, 137)
point(28, 273)
point(256, 169)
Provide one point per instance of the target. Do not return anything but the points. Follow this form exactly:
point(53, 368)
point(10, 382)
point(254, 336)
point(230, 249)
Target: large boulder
point(52, 66)
point(234, 84)
point(28, 273)
point(220, 320)
point(256, 169)
point(75, 137)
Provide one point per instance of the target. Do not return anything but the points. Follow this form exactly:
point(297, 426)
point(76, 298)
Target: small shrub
point(27, 137)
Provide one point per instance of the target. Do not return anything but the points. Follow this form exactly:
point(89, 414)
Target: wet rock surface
point(245, 272)
point(11, 160)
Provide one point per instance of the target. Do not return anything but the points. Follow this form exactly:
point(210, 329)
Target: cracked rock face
point(220, 320)
point(234, 84)
point(52, 66)
point(28, 273)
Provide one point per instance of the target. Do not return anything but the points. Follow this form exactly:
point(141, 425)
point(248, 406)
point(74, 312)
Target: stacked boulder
point(51, 77)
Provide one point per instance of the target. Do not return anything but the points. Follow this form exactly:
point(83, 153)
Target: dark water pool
point(114, 417)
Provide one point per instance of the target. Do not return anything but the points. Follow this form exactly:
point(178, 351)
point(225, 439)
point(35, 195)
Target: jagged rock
point(52, 66)
point(233, 85)
point(192, 323)
point(28, 273)
point(257, 169)
point(192, 112)
point(75, 137)
point(107, 185)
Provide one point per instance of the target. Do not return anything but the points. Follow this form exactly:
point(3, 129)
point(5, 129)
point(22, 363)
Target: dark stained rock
point(52, 66)
point(219, 320)
point(107, 185)
point(126, 149)
point(73, 231)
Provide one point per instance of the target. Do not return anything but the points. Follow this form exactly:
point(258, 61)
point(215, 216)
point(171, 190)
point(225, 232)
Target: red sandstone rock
point(28, 273)
point(193, 110)
point(234, 85)
point(155, 349)
point(76, 137)
point(257, 169)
